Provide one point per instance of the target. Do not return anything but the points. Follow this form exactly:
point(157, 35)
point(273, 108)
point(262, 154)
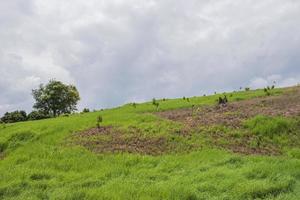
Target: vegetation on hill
point(246, 148)
point(51, 100)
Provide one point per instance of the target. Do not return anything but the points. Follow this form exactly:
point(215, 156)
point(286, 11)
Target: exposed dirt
point(110, 140)
point(287, 105)
point(233, 114)
point(243, 145)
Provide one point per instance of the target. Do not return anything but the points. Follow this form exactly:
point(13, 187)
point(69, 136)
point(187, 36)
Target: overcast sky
point(118, 51)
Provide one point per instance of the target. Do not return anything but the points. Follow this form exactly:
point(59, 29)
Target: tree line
point(51, 100)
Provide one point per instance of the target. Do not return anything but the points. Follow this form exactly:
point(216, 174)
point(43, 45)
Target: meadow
point(49, 159)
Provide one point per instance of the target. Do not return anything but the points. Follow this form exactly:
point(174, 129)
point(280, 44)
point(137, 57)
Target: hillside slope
point(181, 149)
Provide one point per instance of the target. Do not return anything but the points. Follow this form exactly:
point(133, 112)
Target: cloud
point(275, 79)
point(119, 51)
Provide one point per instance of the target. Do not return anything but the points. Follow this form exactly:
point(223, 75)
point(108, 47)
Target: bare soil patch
point(287, 105)
point(243, 145)
point(113, 140)
point(232, 115)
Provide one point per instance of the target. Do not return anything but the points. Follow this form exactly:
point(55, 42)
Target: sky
point(120, 51)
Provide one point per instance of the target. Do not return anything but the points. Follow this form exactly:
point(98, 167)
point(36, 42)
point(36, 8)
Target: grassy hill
point(187, 148)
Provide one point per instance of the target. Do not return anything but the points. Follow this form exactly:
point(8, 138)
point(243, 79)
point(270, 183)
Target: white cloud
point(117, 51)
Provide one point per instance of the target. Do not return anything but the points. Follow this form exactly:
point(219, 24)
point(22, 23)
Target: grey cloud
point(121, 51)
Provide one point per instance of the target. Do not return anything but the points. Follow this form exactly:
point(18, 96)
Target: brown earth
point(232, 114)
point(112, 140)
point(243, 145)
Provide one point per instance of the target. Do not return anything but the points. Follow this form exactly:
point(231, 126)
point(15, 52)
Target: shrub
point(267, 91)
point(270, 126)
point(2, 124)
point(223, 101)
point(37, 115)
point(16, 116)
point(155, 103)
point(99, 121)
point(247, 89)
point(86, 110)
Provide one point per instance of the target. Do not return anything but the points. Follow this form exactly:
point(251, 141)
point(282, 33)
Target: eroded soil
point(113, 140)
point(232, 115)
point(287, 105)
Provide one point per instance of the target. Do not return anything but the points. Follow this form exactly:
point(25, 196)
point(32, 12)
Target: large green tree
point(56, 98)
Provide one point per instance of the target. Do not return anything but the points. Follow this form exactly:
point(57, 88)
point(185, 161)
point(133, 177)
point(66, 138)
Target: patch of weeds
point(234, 162)
point(3, 146)
point(13, 190)
point(19, 139)
point(184, 194)
point(269, 126)
point(93, 184)
point(294, 153)
point(77, 195)
point(21, 160)
point(16, 140)
point(257, 174)
point(40, 176)
point(269, 188)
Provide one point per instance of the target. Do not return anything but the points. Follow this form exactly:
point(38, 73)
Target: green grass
point(271, 126)
point(37, 163)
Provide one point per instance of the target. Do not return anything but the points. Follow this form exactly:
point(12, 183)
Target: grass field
point(142, 155)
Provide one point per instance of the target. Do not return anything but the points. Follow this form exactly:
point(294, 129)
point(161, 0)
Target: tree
point(16, 116)
point(55, 98)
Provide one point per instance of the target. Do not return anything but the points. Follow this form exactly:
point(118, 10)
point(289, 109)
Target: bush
point(99, 121)
point(16, 116)
point(270, 126)
point(86, 110)
point(155, 103)
point(37, 115)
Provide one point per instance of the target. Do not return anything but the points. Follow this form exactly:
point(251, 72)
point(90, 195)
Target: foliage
point(37, 115)
point(134, 105)
point(86, 110)
point(155, 103)
point(55, 98)
point(99, 121)
point(268, 90)
point(16, 116)
point(223, 101)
